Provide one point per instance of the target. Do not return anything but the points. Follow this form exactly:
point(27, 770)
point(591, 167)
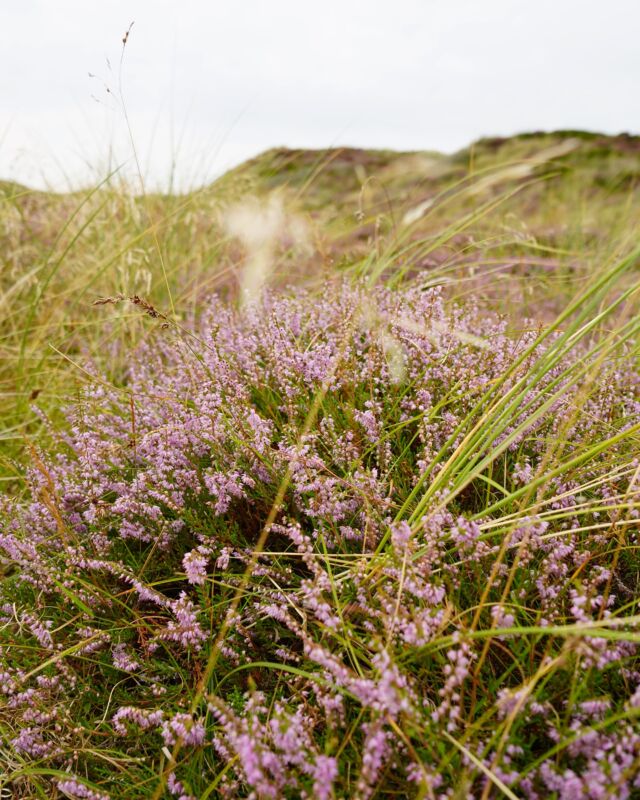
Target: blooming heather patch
point(442, 603)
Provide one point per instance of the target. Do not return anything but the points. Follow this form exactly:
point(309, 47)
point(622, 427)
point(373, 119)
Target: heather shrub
point(352, 545)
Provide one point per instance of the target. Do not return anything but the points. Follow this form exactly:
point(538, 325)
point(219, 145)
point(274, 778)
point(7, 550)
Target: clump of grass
point(342, 545)
point(62, 252)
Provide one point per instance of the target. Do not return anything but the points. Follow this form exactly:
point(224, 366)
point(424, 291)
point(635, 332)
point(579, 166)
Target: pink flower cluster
point(366, 637)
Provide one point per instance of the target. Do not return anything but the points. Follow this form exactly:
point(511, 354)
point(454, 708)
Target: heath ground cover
point(356, 537)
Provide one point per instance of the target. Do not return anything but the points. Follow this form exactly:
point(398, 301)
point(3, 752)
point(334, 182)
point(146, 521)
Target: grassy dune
point(323, 481)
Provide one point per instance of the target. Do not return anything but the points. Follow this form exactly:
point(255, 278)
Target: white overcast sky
point(208, 83)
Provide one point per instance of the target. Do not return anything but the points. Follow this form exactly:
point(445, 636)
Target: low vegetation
point(326, 484)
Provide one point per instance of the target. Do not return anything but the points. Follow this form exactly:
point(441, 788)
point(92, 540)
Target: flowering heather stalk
point(293, 609)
